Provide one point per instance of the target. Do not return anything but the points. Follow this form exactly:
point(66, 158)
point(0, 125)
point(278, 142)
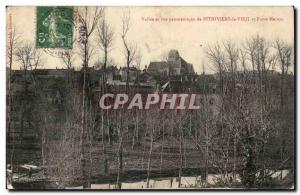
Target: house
point(161, 68)
point(133, 71)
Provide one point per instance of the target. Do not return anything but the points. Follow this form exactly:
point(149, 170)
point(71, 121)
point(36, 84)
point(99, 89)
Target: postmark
point(54, 27)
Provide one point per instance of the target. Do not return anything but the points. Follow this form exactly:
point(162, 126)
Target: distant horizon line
point(206, 73)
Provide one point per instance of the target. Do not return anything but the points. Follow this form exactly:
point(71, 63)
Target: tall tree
point(10, 49)
point(130, 49)
point(106, 37)
point(216, 56)
point(88, 19)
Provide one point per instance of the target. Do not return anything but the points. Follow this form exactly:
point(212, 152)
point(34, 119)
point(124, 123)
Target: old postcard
point(144, 98)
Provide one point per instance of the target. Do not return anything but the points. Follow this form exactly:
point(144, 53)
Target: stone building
point(175, 65)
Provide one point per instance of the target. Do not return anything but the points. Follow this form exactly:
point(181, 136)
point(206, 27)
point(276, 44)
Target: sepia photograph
point(150, 98)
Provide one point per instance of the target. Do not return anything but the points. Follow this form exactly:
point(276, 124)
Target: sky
point(187, 29)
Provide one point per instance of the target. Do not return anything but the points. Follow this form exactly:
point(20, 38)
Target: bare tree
point(88, 18)
point(232, 55)
point(243, 60)
point(130, 49)
point(251, 47)
point(60, 157)
point(284, 54)
point(67, 57)
point(28, 57)
point(106, 37)
point(135, 137)
point(216, 56)
point(10, 49)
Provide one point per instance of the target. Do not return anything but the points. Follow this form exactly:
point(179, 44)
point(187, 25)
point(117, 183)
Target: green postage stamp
point(54, 27)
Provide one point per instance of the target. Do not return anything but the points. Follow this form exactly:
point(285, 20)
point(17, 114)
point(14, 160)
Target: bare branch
point(106, 37)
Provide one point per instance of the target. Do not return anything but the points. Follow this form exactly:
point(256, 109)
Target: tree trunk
point(127, 72)
point(149, 158)
point(83, 120)
point(103, 144)
point(181, 159)
point(120, 154)
point(162, 147)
